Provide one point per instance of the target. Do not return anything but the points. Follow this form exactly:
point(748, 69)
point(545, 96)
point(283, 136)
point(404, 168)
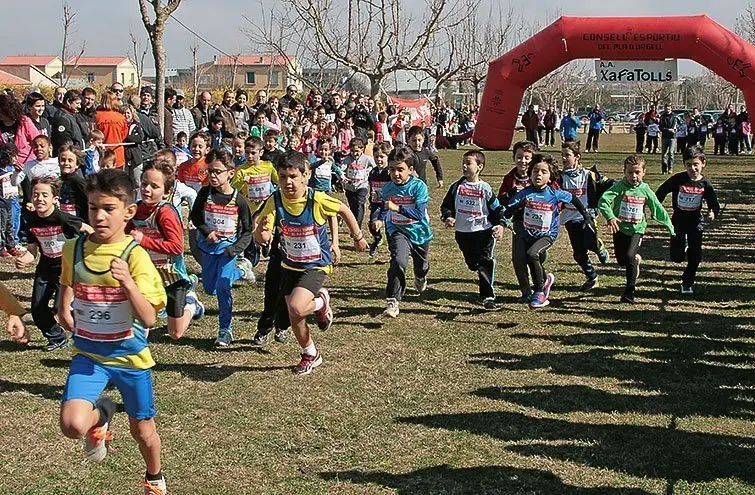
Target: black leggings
point(625, 248)
point(693, 242)
point(46, 288)
point(530, 252)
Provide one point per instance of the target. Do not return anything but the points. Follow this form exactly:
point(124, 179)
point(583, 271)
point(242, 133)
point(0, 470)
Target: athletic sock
point(319, 303)
point(310, 350)
point(154, 477)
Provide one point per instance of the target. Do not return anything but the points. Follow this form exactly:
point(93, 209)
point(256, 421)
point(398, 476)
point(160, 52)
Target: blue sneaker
point(548, 284)
point(525, 298)
point(539, 301)
point(225, 338)
point(162, 314)
point(191, 298)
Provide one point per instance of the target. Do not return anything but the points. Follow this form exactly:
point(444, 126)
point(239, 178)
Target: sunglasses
point(115, 90)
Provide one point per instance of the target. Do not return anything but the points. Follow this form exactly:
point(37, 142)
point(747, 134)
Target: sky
point(35, 28)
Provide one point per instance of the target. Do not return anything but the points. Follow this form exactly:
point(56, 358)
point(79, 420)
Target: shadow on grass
point(210, 372)
point(52, 392)
point(644, 451)
point(472, 481)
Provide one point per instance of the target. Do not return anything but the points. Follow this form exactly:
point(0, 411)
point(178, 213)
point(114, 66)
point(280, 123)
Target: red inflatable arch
point(611, 38)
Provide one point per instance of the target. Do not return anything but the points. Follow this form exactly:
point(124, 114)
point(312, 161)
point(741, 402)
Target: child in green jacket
point(623, 205)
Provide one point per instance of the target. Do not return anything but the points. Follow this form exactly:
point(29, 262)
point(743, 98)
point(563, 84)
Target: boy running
point(379, 177)
point(110, 284)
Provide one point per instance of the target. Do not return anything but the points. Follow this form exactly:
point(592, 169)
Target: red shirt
point(193, 173)
point(170, 226)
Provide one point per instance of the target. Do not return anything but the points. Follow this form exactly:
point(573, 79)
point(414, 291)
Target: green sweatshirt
point(626, 202)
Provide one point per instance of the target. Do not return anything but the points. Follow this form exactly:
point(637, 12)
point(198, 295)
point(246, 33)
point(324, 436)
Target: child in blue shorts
point(110, 292)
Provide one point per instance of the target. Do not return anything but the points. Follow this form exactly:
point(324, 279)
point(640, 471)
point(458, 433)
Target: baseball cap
point(180, 93)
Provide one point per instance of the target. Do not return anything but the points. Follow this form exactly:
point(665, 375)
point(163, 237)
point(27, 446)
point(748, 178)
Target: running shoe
point(539, 301)
point(590, 284)
point(98, 438)
point(262, 337)
point(687, 289)
point(154, 487)
point(225, 338)
point(247, 270)
point(282, 335)
point(420, 283)
point(391, 307)
point(325, 314)
point(549, 280)
point(525, 298)
point(307, 364)
point(55, 345)
point(490, 304)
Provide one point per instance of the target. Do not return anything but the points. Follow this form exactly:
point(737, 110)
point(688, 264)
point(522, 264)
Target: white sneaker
point(247, 270)
point(420, 284)
point(391, 307)
point(155, 487)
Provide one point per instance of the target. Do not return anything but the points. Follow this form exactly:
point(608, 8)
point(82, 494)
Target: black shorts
point(311, 279)
point(176, 293)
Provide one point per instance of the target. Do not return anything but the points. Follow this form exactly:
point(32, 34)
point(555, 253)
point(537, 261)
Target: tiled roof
point(12, 80)
point(95, 61)
point(28, 60)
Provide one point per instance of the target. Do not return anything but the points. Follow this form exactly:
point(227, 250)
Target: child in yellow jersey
point(110, 292)
point(301, 214)
point(256, 179)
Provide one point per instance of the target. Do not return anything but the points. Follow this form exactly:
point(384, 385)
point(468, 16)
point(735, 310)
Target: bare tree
point(138, 60)
point(380, 36)
point(745, 23)
point(197, 70)
point(68, 18)
point(156, 30)
point(655, 92)
point(562, 87)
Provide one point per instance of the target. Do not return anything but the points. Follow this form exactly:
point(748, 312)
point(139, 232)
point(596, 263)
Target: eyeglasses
point(216, 171)
point(116, 90)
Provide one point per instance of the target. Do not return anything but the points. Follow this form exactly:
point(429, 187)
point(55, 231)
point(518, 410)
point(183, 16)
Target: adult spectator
point(743, 130)
point(16, 128)
point(170, 100)
point(569, 126)
point(113, 125)
point(133, 150)
point(57, 103)
point(183, 120)
point(333, 104)
point(147, 100)
point(35, 105)
point(202, 112)
point(530, 122)
point(362, 121)
point(242, 116)
point(117, 89)
point(65, 126)
point(549, 122)
point(289, 99)
point(668, 123)
point(88, 109)
point(596, 125)
point(260, 100)
point(151, 137)
point(224, 112)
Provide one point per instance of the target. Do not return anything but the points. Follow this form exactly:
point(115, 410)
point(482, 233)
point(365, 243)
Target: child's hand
point(213, 237)
point(335, 252)
point(377, 225)
point(138, 235)
point(450, 222)
point(24, 260)
point(29, 206)
point(613, 225)
point(17, 331)
point(86, 229)
point(440, 184)
point(498, 232)
point(361, 244)
point(392, 206)
point(711, 215)
point(120, 271)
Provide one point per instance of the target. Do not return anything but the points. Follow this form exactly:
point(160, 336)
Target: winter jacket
point(26, 131)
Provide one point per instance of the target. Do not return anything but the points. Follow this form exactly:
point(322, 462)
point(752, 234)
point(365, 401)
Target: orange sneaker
point(154, 487)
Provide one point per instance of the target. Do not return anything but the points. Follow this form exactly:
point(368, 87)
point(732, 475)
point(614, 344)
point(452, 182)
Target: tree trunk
point(158, 52)
point(375, 86)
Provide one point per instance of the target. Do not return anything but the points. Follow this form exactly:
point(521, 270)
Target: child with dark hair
point(223, 220)
point(623, 205)
point(536, 228)
point(587, 186)
point(379, 177)
point(404, 214)
point(112, 287)
point(301, 215)
point(688, 190)
point(356, 167)
point(272, 152)
point(8, 200)
point(324, 169)
point(49, 228)
point(415, 138)
point(42, 165)
point(217, 132)
point(107, 161)
point(472, 209)
point(73, 198)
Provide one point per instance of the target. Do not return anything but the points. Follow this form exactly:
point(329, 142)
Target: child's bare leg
point(177, 326)
point(301, 303)
point(145, 433)
point(77, 417)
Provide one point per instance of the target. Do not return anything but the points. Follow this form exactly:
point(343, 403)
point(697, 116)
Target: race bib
point(51, 240)
point(405, 201)
point(8, 189)
point(323, 171)
point(376, 191)
point(102, 313)
point(221, 218)
point(690, 198)
point(630, 209)
point(68, 208)
point(469, 209)
point(356, 172)
point(157, 258)
point(301, 243)
point(538, 216)
point(259, 187)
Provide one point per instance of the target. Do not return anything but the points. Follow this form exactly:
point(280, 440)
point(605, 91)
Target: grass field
point(585, 397)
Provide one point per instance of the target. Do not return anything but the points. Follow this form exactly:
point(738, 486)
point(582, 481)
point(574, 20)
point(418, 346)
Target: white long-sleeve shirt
point(34, 169)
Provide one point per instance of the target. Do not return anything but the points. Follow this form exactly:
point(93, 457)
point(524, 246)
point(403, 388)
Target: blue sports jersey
point(541, 209)
point(409, 196)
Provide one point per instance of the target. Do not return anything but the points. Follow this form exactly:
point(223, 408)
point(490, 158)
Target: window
point(274, 78)
point(204, 79)
point(133, 79)
point(90, 77)
point(123, 78)
point(250, 77)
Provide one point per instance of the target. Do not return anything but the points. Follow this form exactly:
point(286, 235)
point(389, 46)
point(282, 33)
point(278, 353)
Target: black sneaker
point(525, 298)
point(55, 345)
point(374, 249)
point(490, 305)
point(628, 297)
point(281, 335)
point(590, 284)
point(262, 338)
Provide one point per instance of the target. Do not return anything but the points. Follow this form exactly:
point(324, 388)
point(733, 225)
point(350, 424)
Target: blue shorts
point(87, 380)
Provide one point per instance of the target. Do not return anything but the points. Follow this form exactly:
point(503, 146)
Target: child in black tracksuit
point(73, 199)
point(471, 207)
point(719, 138)
point(378, 177)
point(688, 190)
